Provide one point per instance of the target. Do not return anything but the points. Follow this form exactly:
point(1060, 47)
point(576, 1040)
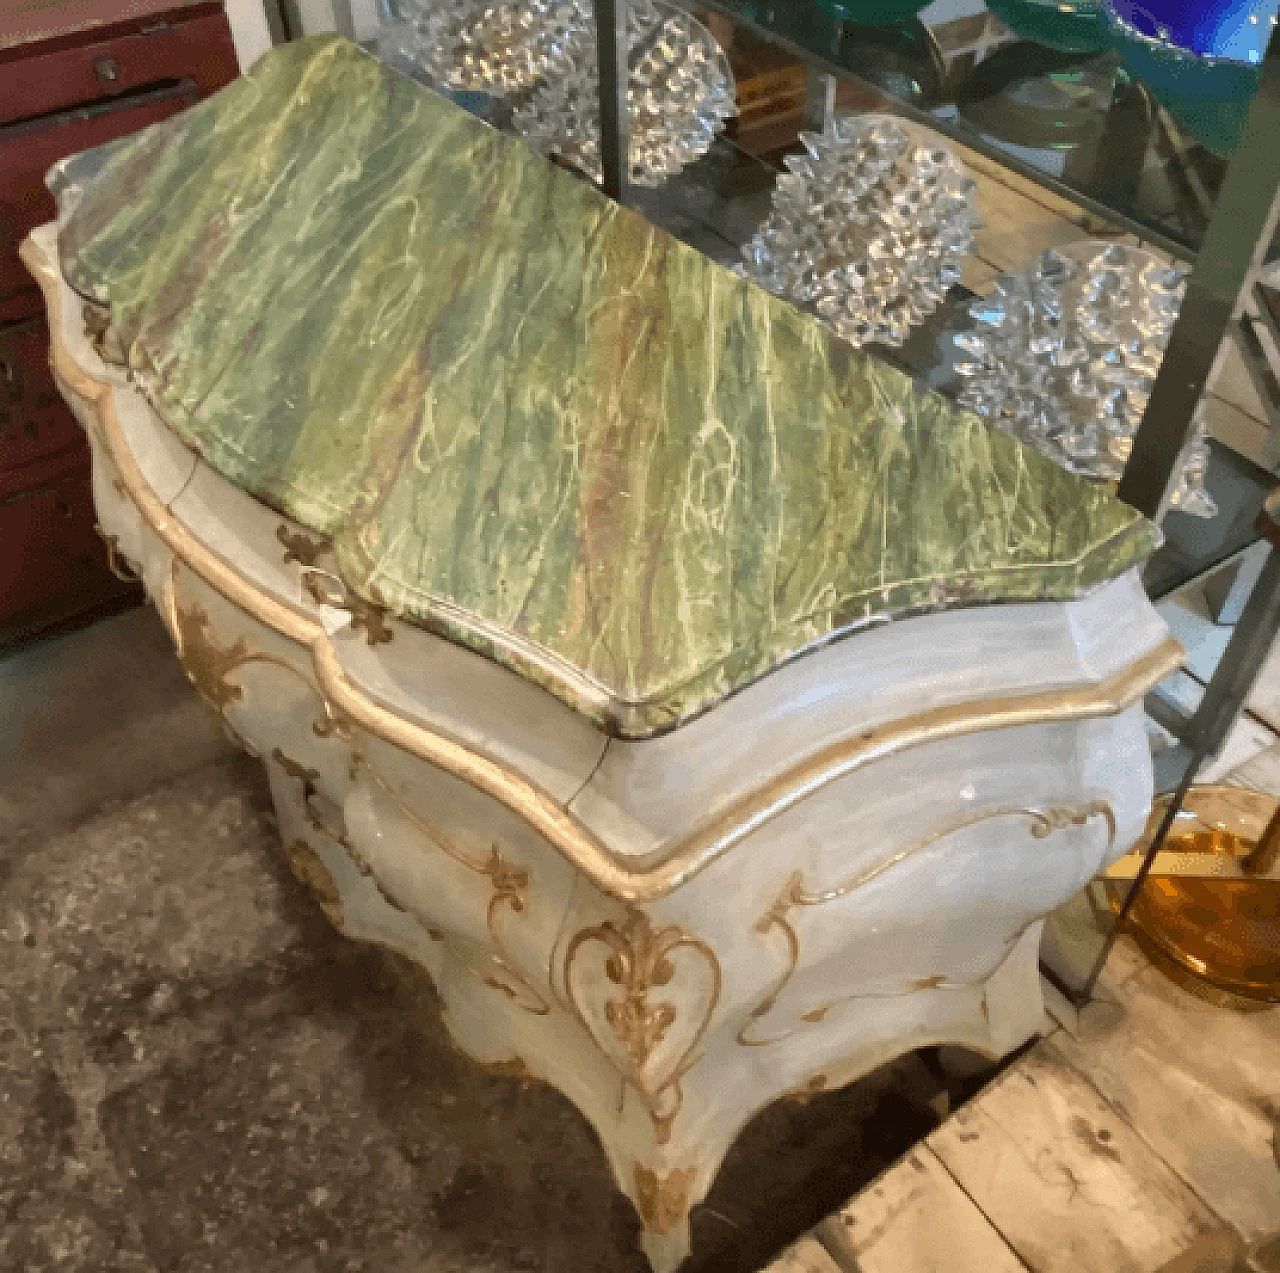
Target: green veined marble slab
point(532, 421)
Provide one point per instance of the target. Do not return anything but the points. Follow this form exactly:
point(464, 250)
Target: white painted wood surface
point(1187, 1093)
point(1200, 1085)
point(639, 797)
point(806, 1256)
point(167, 465)
point(237, 527)
point(1109, 1151)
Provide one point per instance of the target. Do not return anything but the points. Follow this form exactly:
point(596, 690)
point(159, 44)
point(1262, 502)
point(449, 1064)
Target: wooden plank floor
point(1111, 1149)
point(1107, 1148)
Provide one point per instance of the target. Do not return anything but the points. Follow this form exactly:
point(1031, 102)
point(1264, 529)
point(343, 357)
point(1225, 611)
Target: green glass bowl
point(1074, 26)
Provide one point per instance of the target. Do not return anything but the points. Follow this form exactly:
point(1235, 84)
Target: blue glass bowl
point(1237, 30)
point(1074, 26)
point(1206, 91)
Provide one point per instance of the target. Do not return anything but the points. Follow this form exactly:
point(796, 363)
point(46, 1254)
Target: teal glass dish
point(1074, 26)
point(872, 12)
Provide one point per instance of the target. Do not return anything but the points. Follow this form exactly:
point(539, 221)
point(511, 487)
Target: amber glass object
point(1218, 937)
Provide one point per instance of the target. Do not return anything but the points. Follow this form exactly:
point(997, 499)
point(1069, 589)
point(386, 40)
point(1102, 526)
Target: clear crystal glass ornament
point(680, 92)
point(482, 46)
point(868, 229)
point(1064, 355)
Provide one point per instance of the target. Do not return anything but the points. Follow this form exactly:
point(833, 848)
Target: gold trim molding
point(640, 963)
point(310, 870)
point(635, 880)
point(509, 890)
point(117, 562)
point(209, 666)
point(327, 589)
point(1044, 822)
point(816, 1085)
point(299, 546)
point(663, 1200)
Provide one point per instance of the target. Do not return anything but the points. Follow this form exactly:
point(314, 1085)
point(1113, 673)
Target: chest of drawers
point(72, 75)
point(709, 714)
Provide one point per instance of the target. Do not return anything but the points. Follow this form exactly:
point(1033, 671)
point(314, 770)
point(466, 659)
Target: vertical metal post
point(820, 101)
point(1085, 993)
point(613, 46)
point(1241, 661)
point(1256, 360)
point(1238, 235)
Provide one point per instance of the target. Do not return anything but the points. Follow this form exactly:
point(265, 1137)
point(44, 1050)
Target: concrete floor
point(197, 1074)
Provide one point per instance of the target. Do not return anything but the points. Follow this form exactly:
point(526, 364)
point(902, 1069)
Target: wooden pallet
point(1110, 1147)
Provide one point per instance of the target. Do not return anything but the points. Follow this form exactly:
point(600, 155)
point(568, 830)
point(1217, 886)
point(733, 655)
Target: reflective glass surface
point(1131, 126)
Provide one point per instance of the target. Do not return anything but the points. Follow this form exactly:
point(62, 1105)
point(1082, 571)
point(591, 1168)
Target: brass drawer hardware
point(326, 589)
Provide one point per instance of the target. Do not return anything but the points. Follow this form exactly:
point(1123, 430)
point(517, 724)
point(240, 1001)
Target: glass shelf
point(1073, 120)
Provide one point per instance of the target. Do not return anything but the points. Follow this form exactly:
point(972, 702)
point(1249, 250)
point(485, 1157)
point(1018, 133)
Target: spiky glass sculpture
point(868, 229)
point(679, 94)
point(497, 48)
point(1066, 351)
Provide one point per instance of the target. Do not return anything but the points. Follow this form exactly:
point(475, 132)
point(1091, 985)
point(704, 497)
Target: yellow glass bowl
point(1217, 937)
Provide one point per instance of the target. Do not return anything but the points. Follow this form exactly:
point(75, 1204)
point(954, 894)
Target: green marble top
point(530, 420)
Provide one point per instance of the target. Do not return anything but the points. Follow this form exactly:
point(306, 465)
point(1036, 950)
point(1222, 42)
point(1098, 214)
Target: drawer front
point(22, 304)
point(34, 420)
point(199, 49)
point(28, 151)
point(50, 547)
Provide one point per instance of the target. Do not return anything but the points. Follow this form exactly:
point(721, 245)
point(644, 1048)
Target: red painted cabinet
point(73, 74)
